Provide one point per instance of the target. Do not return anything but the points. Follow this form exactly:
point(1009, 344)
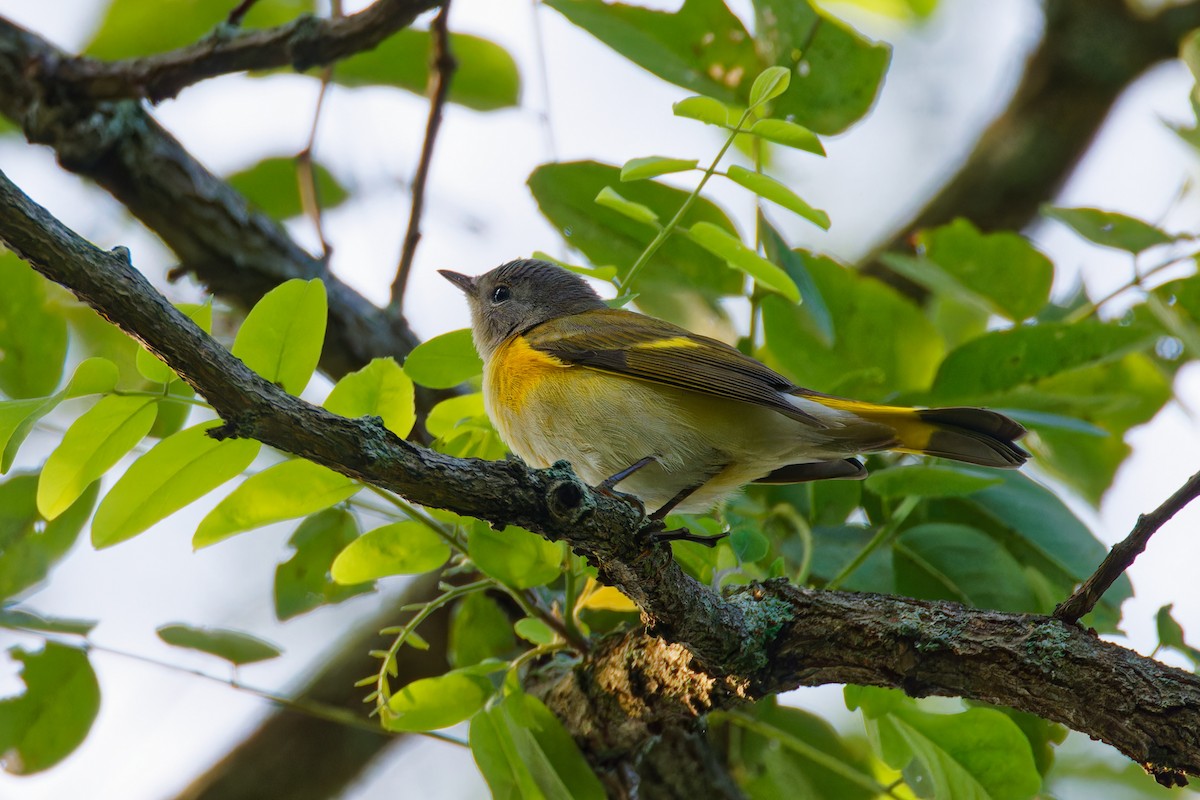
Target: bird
point(678, 420)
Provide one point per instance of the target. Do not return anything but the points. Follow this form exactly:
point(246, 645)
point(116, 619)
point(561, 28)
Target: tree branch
point(441, 72)
point(1123, 553)
point(304, 43)
point(700, 650)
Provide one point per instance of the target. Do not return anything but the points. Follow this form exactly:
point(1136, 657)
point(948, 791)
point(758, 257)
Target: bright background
point(158, 728)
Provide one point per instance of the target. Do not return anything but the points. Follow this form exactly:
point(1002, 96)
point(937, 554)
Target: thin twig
point(1124, 552)
point(441, 71)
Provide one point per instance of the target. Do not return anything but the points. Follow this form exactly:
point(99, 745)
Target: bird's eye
point(500, 294)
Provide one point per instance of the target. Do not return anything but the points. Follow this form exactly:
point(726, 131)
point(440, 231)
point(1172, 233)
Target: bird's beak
point(464, 282)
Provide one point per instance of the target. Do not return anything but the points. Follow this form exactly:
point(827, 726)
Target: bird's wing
point(637, 346)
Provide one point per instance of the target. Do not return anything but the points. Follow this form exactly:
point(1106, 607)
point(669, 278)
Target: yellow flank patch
point(515, 370)
point(666, 344)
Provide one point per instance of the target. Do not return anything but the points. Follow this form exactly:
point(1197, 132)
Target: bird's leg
point(683, 534)
point(610, 483)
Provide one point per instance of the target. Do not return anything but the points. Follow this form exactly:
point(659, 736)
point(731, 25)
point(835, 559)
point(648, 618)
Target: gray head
point(516, 296)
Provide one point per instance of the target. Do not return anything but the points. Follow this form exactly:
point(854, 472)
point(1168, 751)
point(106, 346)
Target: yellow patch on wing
point(675, 342)
point(515, 370)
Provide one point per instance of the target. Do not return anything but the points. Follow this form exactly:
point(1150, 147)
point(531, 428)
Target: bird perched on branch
point(677, 419)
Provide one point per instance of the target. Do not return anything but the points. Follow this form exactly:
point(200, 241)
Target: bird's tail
point(973, 435)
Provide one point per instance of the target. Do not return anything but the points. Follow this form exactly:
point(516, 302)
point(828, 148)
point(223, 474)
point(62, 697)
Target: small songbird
point(677, 419)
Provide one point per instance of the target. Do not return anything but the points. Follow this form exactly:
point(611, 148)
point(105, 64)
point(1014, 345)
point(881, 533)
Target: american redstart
point(677, 419)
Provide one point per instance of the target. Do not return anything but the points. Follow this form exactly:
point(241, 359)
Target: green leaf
point(705, 109)
point(637, 169)
point(33, 338)
point(303, 583)
point(291, 489)
point(884, 343)
point(534, 631)
point(836, 72)
point(41, 726)
point(770, 83)
point(1004, 268)
point(479, 629)
point(486, 77)
point(273, 185)
point(524, 751)
point(134, 28)
point(956, 562)
point(444, 361)
point(702, 47)
point(926, 480)
point(91, 446)
point(175, 472)
point(234, 646)
point(737, 255)
point(380, 389)
point(30, 544)
point(514, 556)
point(565, 193)
point(20, 619)
point(771, 189)
point(407, 547)
point(635, 211)
point(977, 754)
point(1110, 228)
point(793, 263)
point(787, 133)
point(1002, 360)
point(282, 335)
point(1170, 634)
point(439, 702)
point(149, 365)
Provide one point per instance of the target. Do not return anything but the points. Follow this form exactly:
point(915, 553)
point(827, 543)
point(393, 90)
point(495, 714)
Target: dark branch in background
point(762, 638)
point(304, 43)
point(1123, 553)
point(441, 73)
point(237, 252)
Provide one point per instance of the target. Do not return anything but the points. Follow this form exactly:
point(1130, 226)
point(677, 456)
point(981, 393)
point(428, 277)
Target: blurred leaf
point(514, 556)
point(45, 723)
point(705, 109)
point(1110, 228)
point(486, 77)
point(30, 544)
point(722, 244)
point(1002, 360)
point(303, 583)
point(407, 547)
point(175, 472)
point(789, 134)
point(90, 447)
point(565, 193)
point(287, 490)
point(136, 28)
point(702, 47)
point(636, 169)
point(770, 83)
point(21, 619)
point(770, 189)
point(523, 751)
point(273, 185)
point(33, 338)
point(793, 263)
point(926, 480)
point(1170, 634)
point(836, 72)
point(234, 646)
point(884, 343)
point(439, 702)
point(282, 335)
point(534, 631)
point(637, 212)
point(479, 629)
point(380, 389)
point(956, 562)
point(1004, 268)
